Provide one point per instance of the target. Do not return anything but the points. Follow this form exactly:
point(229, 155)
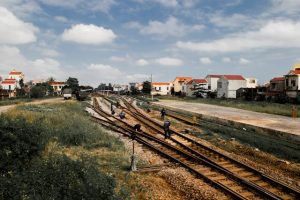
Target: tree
point(146, 87)
point(73, 84)
point(38, 91)
point(51, 79)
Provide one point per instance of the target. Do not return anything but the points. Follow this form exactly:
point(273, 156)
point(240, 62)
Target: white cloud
point(14, 30)
point(61, 19)
point(274, 34)
point(167, 3)
point(171, 27)
point(12, 58)
point(88, 34)
point(118, 58)
point(104, 70)
point(22, 8)
point(226, 60)
point(93, 5)
point(205, 60)
point(285, 6)
point(137, 77)
point(49, 53)
point(232, 21)
point(167, 61)
point(142, 62)
point(244, 61)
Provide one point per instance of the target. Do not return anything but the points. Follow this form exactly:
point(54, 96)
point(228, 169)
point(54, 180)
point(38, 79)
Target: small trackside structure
point(161, 88)
point(229, 84)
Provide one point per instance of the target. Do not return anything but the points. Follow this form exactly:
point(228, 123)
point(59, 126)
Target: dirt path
point(5, 108)
point(269, 121)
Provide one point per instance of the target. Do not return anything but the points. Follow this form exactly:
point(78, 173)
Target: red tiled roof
point(233, 77)
point(160, 83)
point(278, 79)
point(11, 81)
point(296, 71)
point(56, 83)
point(197, 81)
point(183, 78)
point(213, 76)
point(15, 73)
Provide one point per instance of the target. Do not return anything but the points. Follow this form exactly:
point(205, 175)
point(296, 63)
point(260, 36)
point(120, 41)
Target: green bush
point(59, 178)
point(19, 142)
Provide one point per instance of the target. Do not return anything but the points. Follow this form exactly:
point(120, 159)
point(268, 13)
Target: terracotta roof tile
point(160, 83)
point(277, 79)
point(198, 81)
point(233, 77)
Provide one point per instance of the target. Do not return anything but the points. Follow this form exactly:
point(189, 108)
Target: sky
point(121, 41)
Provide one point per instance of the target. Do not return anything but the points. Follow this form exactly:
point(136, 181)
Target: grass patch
point(6, 102)
point(60, 154)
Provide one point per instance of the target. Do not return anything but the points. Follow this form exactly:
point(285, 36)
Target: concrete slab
point(262, 120)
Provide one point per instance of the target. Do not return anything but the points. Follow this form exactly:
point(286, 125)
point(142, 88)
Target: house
point(161, 88)
point(195, 85)
point(179, 83)
point(118, 87)
point(229, 84)
point(57, 86)
point(16, 75)
point(292, 82)
point(9, 87)
point(212, 81)
point(277, 85)
point(251, 82)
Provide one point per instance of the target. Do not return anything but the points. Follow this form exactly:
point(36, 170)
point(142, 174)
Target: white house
point(251, 82)
point(57, 86)
point(212, 81)
point(9, 84)
point(194, 85)
point(161, 88)
point(229, 84)
point(16, 75)
point(118, 87)
point(179, 83)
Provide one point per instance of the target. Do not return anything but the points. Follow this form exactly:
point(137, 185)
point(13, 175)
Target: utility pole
point(151, 89)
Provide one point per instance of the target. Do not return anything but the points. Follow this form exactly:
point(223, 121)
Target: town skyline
point(127, 41)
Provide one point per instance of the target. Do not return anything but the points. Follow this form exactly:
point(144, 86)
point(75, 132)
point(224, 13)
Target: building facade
point(229, 84)
point(196, 85)
point(251, 83)
point(212, 81)
point(179, 83)
point(161, 88)
point(57, 86)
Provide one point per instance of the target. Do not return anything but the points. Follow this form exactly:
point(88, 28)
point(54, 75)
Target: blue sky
point(128, 40)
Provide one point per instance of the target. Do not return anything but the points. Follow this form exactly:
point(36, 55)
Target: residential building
point(118, 87)
point(161, 88)
point(57, 87)
point(229, 84)
point(277, 85)
point(251, 83)
point(212, 81)
point(292, 82)
point(179, 83)
point(16, 75)
point(196, 85)
point(9, 84)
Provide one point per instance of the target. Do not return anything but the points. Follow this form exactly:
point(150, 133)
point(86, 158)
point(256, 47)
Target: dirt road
point(269, 121)
point(5, 108)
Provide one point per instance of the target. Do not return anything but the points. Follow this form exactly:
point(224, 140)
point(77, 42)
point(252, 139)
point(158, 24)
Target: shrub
point(19, 142)
point(59, 178)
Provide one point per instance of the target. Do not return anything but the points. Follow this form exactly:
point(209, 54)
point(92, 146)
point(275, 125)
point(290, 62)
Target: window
point(167, 88)
point(209, 87)
point(293, 83)
point(159, 88)
point(287, 82)
point(219, 84)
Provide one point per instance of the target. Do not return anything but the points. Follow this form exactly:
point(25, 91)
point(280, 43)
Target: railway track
point(233, 177)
